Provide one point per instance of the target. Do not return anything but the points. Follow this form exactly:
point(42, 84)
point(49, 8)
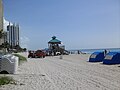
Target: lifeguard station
point(55, 47)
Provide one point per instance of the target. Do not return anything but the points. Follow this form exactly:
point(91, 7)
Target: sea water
point(96, 50)
point(100, 50)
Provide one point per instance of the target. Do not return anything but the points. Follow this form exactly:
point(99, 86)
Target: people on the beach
point(78, 52)
point(105, 51)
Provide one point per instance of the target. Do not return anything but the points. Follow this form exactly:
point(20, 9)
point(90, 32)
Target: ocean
point(95, 50)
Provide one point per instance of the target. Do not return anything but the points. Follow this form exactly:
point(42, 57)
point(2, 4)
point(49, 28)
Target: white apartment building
point(13, 34)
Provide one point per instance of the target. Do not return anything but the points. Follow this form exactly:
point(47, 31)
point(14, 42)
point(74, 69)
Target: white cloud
point(24, 42)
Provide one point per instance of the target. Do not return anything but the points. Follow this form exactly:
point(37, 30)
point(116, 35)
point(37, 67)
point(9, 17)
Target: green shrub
point(6, 80)
point(21, 58)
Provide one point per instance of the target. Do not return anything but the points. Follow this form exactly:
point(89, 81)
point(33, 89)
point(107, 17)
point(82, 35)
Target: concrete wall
point(1, 20)
point(1, 15)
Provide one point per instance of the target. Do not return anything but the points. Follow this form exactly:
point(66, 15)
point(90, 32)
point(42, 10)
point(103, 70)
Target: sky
point(79, 24)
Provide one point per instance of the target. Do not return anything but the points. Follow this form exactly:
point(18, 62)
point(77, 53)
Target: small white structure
point(9, 63)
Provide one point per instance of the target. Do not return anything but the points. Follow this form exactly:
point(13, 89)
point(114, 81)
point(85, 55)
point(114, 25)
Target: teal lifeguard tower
point(54, 46)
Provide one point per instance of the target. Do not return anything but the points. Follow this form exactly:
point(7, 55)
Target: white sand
point(73, 72)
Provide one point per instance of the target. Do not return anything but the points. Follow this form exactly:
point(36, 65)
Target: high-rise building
point(13, 34)
point(1, 21)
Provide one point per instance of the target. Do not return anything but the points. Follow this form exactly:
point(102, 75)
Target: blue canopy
point(112, 58)
point(96, 57)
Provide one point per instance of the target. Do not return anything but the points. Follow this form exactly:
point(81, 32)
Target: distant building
point(13, 34)
point(1, 21)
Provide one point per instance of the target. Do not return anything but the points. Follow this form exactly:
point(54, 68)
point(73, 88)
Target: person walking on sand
point(105, 52)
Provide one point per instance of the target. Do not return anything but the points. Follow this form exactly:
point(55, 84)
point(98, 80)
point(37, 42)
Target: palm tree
point(5, 45)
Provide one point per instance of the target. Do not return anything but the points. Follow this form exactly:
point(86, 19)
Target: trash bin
point(96, 57)
point(9, 64)
point(112, 58)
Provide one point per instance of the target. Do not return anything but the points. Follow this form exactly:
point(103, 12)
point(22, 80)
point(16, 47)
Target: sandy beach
point(73, 72)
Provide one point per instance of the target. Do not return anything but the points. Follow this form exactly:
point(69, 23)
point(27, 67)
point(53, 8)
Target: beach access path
point(73, 72)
